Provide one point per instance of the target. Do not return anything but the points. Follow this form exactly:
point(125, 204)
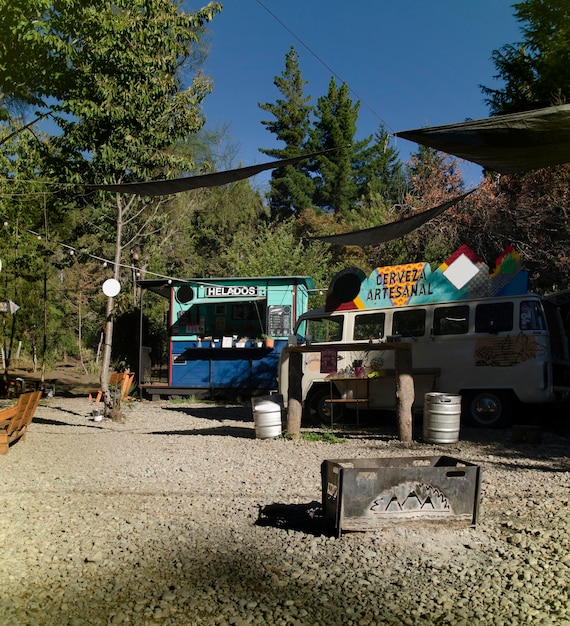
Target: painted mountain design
point(411, 498)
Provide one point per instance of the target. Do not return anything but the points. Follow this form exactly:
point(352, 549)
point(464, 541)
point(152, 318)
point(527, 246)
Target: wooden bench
point(14, 420)
point(120, 385)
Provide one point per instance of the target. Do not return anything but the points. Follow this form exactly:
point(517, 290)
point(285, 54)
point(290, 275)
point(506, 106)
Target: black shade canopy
point(176, 185)
point(517, 142)
point(393, 230)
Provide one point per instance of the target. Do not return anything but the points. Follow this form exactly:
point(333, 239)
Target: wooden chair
point(120, 384)
point(15, 420)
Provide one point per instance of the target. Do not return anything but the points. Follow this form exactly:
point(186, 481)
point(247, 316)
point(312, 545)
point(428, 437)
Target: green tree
point(536, 71)
point(291, 188)
point(334, 129)
point(433, 178)
point(278, 250)
point(379, 171)
point(116, 92)
point(227, 216)
point(530, 210)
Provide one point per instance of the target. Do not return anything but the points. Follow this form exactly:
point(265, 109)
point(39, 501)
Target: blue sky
point(411, 63)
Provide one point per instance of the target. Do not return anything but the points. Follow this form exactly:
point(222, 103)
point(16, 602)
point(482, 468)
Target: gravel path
point(166, 518)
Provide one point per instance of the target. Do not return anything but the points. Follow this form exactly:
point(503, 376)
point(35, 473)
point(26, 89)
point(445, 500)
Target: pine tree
point(379, 171)
point(536, 71)
point(334, 129)
point(290, 187)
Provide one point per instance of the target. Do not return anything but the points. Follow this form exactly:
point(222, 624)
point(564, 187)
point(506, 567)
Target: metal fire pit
point(368, 494)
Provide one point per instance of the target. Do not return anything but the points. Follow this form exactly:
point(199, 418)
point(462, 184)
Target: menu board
point(279, 320)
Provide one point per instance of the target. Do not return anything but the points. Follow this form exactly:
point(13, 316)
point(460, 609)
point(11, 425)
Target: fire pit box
point(368, 494)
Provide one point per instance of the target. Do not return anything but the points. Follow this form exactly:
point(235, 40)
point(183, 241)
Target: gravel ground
point(168, 518)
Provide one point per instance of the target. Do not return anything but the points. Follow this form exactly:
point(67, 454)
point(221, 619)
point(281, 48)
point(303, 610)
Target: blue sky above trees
point(411, 63)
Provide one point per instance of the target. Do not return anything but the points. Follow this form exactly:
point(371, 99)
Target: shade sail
point(517, 142)
point(393, 230)
point(176, 185)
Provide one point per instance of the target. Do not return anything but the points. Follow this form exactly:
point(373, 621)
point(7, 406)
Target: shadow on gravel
point(58, 408)
point(48, 422)
point(219, 431)
point(217, 412)
point(305, 518)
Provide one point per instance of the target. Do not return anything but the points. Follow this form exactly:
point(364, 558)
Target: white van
point(494, 352)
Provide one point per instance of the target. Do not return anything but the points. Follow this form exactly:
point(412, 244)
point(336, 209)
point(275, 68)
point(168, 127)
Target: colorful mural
point(463, 276)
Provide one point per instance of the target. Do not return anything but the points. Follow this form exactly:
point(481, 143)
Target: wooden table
point(404, 381)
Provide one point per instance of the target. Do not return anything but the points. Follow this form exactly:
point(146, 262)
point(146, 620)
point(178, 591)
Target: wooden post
point(295, 397)
point(404, 392)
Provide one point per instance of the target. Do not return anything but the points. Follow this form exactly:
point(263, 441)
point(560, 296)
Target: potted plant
point(268, 341)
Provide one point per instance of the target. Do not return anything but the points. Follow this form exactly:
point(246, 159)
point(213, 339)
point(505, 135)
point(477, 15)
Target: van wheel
point(319, 411)
point(488, 409)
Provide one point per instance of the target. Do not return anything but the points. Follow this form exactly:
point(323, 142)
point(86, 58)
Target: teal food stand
point(220, 332)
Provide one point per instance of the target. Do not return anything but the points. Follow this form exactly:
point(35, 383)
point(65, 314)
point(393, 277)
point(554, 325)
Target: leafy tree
point(536, 71)
point(278, 250)
point(433, 178)
point(290, 187)
point(227, 216)
point(115, 91)
point(530, 210)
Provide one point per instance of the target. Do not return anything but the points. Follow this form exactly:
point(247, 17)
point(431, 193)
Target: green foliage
point(122, 82)
point(325, 436)
point(290, 187)
point(276, 250)
point(345, 179)
point(116, 79)
point(334, 129)
point(536, 71)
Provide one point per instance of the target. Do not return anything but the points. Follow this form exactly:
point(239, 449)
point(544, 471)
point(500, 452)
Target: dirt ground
point(67, 379)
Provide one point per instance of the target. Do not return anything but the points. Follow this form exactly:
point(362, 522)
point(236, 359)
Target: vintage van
point(495, 351)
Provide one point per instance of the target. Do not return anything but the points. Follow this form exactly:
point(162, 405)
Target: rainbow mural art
point(463, 276)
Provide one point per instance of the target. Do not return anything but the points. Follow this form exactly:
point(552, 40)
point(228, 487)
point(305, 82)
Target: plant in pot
point(268, 341)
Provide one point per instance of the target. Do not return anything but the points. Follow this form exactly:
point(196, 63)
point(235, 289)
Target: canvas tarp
point(176, 185)
point(393, 230)
point(517, 142)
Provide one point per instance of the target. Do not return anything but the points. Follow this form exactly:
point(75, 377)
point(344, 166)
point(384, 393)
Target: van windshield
point(322, 329)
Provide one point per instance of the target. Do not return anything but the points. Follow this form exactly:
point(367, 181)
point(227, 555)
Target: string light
point(106, 262)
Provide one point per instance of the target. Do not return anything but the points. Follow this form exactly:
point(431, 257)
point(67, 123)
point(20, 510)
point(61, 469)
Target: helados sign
point(463, 276)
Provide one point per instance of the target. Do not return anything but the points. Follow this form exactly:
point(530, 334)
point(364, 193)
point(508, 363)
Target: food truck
point(224, 334)
point(473, 332)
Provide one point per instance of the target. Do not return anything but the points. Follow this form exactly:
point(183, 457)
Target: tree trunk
point(80, 332)
point(110, 409)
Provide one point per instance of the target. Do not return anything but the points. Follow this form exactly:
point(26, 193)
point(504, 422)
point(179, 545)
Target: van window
point(409, 323)
point(496, 317)
point(325, 329)
point(451, 320)
point(370, 326)
point(531, 316)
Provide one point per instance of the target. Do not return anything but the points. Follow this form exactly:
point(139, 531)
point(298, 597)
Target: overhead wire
point(326, 65)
